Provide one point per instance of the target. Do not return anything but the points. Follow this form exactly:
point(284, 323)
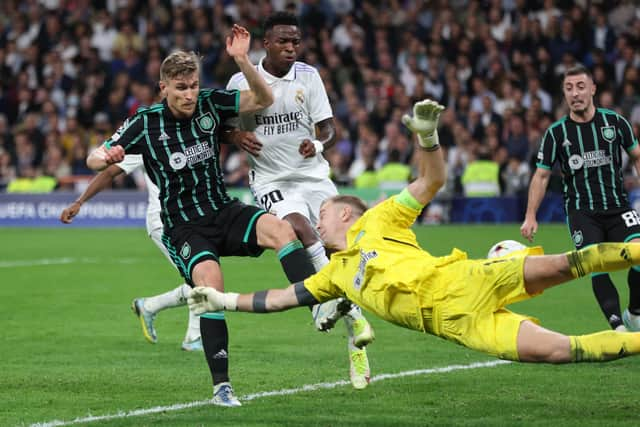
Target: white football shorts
point(281, 198)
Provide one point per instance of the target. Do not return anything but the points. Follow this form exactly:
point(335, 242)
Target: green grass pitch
point(71, 348)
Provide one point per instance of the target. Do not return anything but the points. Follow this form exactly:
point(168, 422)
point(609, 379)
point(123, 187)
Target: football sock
point(295, 261)
point(603, 257)
point(633, 278)
point(173, 298)
point(604, 346)
point(608, 298)
point(215, 342)
point(193, 328)
point(317, 255)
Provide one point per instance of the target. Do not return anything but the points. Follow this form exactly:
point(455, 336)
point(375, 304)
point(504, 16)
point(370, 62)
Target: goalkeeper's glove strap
point(429, 142)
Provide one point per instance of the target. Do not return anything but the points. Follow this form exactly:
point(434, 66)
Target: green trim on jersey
point(177, 261)
point(612, 172)
point(586, 170)
point(405, 198)
point(167, 151)
point(558, 122)
point(153, 108)
point(606, 111)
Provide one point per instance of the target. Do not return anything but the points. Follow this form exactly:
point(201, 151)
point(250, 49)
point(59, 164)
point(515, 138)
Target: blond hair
point(358, 206)
point(179, 64)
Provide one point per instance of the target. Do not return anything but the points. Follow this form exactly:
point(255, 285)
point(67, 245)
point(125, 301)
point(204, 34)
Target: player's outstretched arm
point(537, 189)
point(203, 299)
point(431, 166)
point(97, 184)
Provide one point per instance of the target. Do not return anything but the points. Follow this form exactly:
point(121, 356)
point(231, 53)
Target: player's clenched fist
point(112, 155)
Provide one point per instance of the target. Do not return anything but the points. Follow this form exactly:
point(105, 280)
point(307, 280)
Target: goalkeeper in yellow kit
point(380, 266)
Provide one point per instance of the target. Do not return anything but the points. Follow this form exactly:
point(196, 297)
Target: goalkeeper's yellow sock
point(603, 257)
point(604, 346)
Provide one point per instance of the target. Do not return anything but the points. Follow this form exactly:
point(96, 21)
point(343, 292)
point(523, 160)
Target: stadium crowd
point(71, 70)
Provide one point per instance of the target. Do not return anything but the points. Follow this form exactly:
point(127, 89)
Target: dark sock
point(607, 296)
point(633, 278)
point(215, 341)
point(295, 261)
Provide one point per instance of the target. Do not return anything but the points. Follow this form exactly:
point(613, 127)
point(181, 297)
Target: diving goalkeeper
point(380, 267)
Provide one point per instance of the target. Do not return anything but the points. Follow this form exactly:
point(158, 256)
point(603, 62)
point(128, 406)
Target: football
point(504, 247)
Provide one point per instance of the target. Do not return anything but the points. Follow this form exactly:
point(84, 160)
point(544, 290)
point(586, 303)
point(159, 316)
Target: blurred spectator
point(395, 174)
point(368, 178)
point(547, 15)
point(517, 143)
point(481, 177)
point(601, 35)
point(339, 164)
point(515, 177)
point(366, 152)
point(7, 169)
point(26, 155)
point(534, 90)
point(104, 35)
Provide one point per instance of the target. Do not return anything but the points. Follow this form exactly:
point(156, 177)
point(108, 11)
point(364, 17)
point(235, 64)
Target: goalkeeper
point(380, 267)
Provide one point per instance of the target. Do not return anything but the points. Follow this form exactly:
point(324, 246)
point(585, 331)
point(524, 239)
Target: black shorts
point(614, 225)
point(232, 232)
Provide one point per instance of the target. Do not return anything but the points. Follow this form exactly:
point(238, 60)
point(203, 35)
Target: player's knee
point(283, 233)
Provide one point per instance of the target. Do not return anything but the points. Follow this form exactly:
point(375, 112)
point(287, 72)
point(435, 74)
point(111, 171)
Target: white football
point(503, 248)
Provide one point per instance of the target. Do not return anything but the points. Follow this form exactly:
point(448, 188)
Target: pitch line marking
point(72, 260)
point(259, 395)
point(60, 261)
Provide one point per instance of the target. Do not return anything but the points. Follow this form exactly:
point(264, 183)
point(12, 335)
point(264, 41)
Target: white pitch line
point(32, 262)
point(254, 396)
point(62, 261)
point(69, 260)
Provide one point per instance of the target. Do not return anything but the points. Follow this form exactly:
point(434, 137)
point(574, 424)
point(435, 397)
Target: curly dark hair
point(280, 18)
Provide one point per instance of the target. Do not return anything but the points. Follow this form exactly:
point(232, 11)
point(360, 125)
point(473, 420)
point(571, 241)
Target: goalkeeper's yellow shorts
point(469, 308)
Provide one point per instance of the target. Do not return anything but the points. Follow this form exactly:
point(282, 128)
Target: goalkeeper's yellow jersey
point(384, 270)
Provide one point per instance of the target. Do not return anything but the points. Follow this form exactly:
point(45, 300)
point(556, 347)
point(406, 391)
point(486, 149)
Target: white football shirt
point(301, 101)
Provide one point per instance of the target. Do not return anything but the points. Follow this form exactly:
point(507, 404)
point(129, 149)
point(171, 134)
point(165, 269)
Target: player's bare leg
point(537, 344)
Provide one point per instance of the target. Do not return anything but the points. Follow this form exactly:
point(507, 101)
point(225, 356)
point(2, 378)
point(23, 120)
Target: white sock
point(193, 328)
point(318, 255)
point(174, 298)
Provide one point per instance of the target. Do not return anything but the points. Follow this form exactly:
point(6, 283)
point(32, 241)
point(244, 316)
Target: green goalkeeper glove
point(203, 300)
point(424, 122)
